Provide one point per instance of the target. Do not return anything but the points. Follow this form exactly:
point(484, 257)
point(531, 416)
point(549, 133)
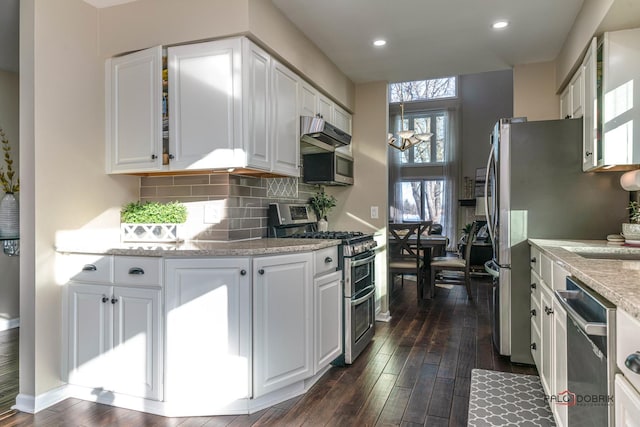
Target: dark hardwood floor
point(8, 369)
point(416, 372)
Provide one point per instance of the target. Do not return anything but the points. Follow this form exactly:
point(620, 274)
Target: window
point(423, 90)
point(429, 152)
point(422, 200)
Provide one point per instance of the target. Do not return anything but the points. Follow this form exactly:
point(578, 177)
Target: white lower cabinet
point(282, 321)
point(114, 339)
point(627, 401)
point(328, 319)
point(208, 331)
point(560, 361)
point(547, 342)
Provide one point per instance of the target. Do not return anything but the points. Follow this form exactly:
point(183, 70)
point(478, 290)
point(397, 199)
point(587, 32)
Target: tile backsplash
point(225, 206)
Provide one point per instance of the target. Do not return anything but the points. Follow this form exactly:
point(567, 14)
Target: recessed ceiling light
point(379, 42)
point(500, 24)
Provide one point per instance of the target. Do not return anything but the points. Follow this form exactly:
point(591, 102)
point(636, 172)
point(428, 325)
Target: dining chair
point(454, 270)
point(405, 254)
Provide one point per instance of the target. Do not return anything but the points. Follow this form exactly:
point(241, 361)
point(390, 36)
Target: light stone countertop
point(617, 280)
point(201, 248)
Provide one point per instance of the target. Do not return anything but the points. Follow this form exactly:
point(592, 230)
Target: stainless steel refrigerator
point(537, 189)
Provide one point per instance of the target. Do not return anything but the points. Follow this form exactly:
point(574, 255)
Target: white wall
point(64, 186)
point(9, 266)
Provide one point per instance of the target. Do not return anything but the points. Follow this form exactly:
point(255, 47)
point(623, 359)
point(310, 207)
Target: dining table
point(432, 245)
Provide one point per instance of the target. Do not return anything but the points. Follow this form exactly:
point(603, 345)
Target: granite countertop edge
point(191, 248)
point(616, 280)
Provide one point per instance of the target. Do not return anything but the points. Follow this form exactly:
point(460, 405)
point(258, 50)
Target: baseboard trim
point(33, 404)
point(383, 317)
point(6, 324)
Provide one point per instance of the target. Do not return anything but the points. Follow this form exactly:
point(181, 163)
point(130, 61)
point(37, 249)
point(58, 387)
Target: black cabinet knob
point(153, 157)
point(533, 259)
point(588, 153)
point(114, 300)
point(533, 346)
point(533, 312)
point(633, 362)
point(105, 298)
point(328, 260)
point(243, 272)
point(533, 286)
point(261, 271)
point(548, 310)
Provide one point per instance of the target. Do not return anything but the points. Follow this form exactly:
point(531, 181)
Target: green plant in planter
point(7, 177)
point(153, 213)
point(634, 216)
point(322, 204)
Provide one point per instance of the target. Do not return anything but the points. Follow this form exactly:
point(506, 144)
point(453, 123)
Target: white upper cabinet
point(589, 128)
point(230, 105)
point(205, 105)
point(315, 104)
point(342, 120)
point(286, 120)
point(133, 112)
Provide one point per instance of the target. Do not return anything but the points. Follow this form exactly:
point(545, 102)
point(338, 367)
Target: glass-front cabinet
point(611, 70)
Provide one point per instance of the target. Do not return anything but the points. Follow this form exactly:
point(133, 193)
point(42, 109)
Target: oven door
point(359, 273)
point(360, 323)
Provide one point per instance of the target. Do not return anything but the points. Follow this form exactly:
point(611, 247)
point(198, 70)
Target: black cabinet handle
point(548, 310)
point(633, 362)
point(261, 271)
point(89, 267)
point(533, 286)
point(533, 259)
point(114, 300)
point(588, 153)
point(171, 156)
point(153, 157)
point(105, 298)
point(533, 346)
point(243, 272)
point(328, 260)
point(533, 312)
point(136, 270)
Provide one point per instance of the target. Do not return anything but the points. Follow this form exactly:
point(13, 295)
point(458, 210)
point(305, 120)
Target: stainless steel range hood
point(317, 136)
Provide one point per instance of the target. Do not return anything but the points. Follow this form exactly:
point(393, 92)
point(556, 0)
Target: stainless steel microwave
point(328, 168)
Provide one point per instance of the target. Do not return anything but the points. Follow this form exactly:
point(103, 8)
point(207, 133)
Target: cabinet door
point(577, 93)
point(308, 100)
point(560, 360)
point(326, 108)
point(565, 103)
point(627, 403)
point(342, 119)
point(205, 105)
point(286, 121)
point(547, 340)
point(90, 334)
point(328, 303)
point(133, 112)
point(589, 127)
point(136, 360)
point(256, 105)
point(282, 321)
point(208, 330)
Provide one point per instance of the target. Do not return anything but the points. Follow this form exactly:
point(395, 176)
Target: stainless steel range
point(356, 258)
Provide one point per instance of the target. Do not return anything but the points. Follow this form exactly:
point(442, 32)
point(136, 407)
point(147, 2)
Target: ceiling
point(425, 38)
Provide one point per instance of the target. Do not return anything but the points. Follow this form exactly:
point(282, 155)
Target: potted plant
point(9, 209)
point(631, 229)
point(152, 221)
point(322, 204)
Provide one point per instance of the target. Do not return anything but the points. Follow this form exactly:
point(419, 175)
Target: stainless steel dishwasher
point(590, 355)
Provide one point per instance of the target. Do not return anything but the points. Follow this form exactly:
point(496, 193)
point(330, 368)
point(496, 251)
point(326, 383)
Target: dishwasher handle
point(598, 329)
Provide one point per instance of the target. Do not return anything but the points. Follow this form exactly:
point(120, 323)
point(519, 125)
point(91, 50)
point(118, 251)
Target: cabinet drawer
point(627, 344)
point(546, 270)
point(143, 271)
point(86, 268)
point(559, 277)
point(535, 287)
point(536, 346)
point(535, 259)
point(535, 305)
point(325, 260)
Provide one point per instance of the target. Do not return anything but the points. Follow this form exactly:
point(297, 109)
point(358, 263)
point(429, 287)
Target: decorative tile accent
point(284, 188)
point(506, 399)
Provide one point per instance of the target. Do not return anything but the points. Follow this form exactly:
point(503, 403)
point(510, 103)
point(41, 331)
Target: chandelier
point(406, 138)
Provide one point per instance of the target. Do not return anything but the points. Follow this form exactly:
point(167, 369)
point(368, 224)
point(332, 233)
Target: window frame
point(423, 197)
point(455, 80)
point(432, 116)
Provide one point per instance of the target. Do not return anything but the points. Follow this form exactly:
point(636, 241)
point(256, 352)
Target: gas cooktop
point(338, 235)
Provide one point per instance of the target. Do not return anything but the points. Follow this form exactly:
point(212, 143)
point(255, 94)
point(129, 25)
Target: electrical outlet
point(212, 214)
point(374, 212)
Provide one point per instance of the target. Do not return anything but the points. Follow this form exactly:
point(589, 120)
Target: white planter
point(9, 216)
point(166, 233)
point(631, 231)
point(323, 225)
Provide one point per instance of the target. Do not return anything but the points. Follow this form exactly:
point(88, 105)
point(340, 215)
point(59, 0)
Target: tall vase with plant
point(9, 208)
point(322, 204)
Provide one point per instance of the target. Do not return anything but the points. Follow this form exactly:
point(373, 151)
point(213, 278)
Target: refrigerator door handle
point(486, 198)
